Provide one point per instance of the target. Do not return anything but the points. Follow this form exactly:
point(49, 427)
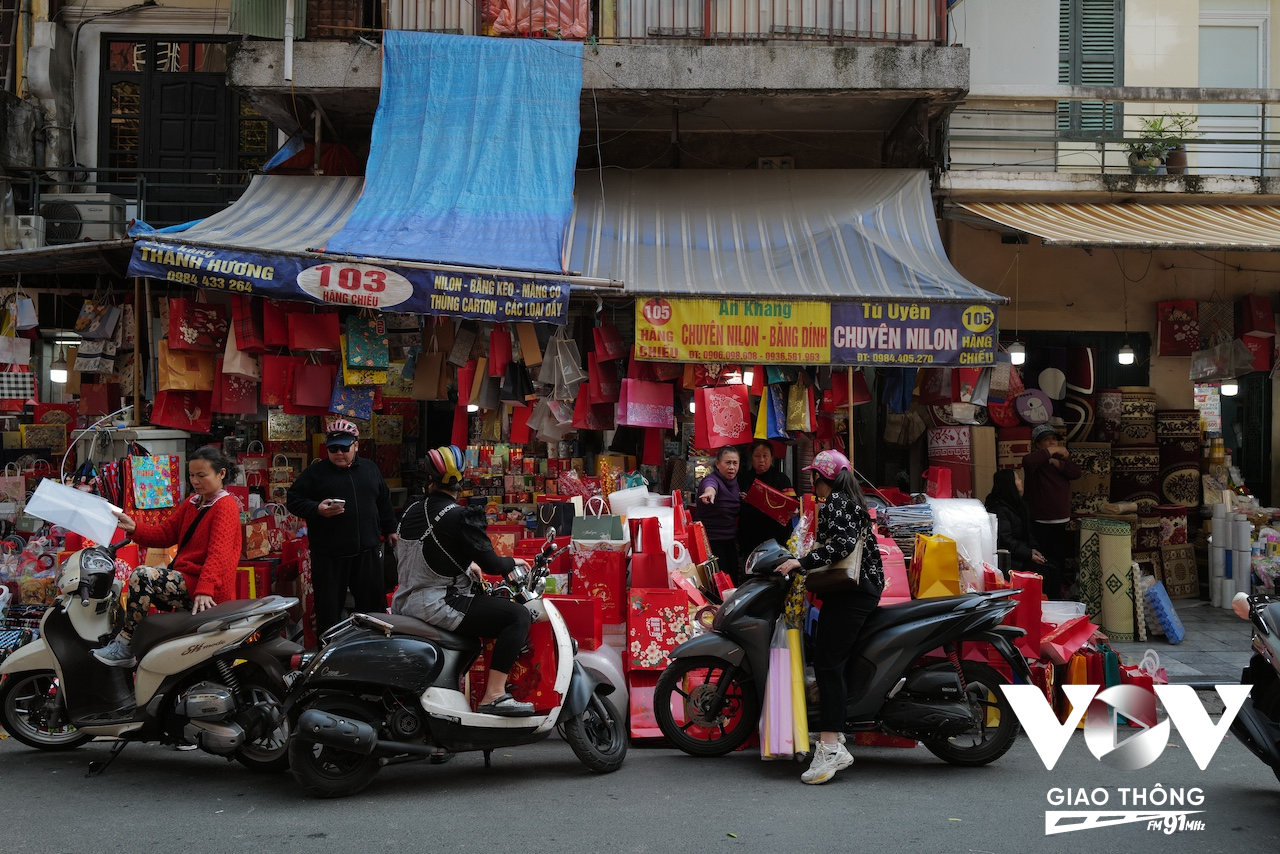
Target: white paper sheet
point(82, 512)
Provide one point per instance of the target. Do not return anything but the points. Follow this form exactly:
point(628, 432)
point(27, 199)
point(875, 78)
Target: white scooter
point(388, 688)
point(215, 679)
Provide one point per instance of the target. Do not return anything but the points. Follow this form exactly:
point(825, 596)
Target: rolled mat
point(800, 715)
point(1178, 571)
point(1179, 441)
point(1137, 415)
point(1135, 475)
point(1106, 560)
point(1093, 488)
point(1108, 416)
point(1146, 536)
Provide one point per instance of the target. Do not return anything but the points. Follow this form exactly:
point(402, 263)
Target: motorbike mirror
point(550, 543)
point(116, 547)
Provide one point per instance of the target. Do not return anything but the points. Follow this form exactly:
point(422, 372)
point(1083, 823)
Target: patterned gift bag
point(197, 326)
point(155, 483)
point(352, 401)
point(359, 376)
point(367, 342)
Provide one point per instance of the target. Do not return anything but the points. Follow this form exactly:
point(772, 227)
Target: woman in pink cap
point(842, 521)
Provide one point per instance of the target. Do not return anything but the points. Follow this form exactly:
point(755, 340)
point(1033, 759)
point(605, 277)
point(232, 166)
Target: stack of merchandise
point(905, 522)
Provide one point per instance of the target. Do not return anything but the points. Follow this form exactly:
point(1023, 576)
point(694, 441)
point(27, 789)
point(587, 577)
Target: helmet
point(766, 557)
point(341, 432)
point(829, 464)
point(445, 464)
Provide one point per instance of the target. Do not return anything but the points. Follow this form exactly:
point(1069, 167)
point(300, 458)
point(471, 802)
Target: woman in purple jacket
point(719, 501)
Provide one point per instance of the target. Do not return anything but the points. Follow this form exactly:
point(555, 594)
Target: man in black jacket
point(348, 510)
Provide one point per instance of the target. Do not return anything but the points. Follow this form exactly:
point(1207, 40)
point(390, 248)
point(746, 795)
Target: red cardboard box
point(584, 617)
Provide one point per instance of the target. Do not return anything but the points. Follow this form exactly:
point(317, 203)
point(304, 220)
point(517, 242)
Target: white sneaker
point(827, 760)
point(118, 653)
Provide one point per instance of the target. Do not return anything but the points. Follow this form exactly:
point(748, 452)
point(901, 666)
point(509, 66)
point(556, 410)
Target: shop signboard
point(477, 295)
point(743, 331)
point(912, 333)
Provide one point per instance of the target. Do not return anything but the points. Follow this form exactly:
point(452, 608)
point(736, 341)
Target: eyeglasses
point(339, 449)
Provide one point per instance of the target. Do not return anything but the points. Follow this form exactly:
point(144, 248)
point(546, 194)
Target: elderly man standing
point(1048, 472)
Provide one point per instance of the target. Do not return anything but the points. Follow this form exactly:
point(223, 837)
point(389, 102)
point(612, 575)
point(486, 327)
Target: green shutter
point(265, 18)
point(1090, 53)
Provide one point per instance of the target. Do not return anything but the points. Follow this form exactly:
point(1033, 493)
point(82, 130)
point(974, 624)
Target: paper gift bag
point(367, 345)
point(774, 503)
point(657, 622)
point(352, 401)
point(235, 395)
point(430, 381)
point(255, 537)
point(99, 398)
point(184, 370)
point(358, 376)
point(276, 370)
point(464, 338)
point(646, 404)
point(609, 343)
point(197, 326)
point(154, 484)
point(722, 416)
point(935, 567)
point(1177, 328)
point(24, 312)
point(313, 384)
point(798, 415)
point(97, 320)
point(316, 331)
point(237, 362)
point(1029, 612)
point(937, 482)
point(499, 351)
point(602, 575)
point(275, 321)
point(15, 351)
point(1066, 639)
point(183, 410)
point(246, 323)
point(530, 347)
point(1256, 316)
point(603, 385)
point(598, 526)
point(554, 514)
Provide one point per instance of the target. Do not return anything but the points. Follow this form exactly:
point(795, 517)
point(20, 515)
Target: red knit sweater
point(209, 560)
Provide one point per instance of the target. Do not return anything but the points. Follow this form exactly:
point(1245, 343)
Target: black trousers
point(333, 576)
point(501, 619)
point(839, 622)
point(727, 553)
point(1051, 537)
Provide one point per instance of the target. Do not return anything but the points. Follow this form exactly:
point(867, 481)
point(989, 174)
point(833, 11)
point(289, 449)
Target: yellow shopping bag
point(935, 567)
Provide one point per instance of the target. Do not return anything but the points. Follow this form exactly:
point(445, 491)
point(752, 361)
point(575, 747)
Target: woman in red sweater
point(207, 529)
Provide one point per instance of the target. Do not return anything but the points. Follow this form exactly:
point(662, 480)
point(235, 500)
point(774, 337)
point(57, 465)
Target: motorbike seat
point(158, 628)
point(903, 612)
point(412, 626)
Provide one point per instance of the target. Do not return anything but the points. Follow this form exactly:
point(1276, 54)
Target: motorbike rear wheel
point(330, 772)
point(598, 736)
point(32, 711)
point(270, 753)
point(1267, 701)
point(995, 726)
point(685, 706)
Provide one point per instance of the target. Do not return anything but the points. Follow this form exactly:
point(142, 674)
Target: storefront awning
point(106, 257)
point(1162, 226)
point(280, 213)
point(867, 234)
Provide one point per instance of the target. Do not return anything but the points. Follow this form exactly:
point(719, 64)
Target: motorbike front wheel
point(330, 772)
point(598, 736)
point(32, 711)
point(704, 706)
point(1266, 699)
point(995, 726)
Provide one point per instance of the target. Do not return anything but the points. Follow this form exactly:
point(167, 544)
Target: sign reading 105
point(355, 284)
point(656, 311)
point(978, 318)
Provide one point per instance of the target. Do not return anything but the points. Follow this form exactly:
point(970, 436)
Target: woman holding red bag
point(754, 525)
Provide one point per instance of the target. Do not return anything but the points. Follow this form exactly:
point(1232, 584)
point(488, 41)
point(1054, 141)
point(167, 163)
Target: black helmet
point(766, 558)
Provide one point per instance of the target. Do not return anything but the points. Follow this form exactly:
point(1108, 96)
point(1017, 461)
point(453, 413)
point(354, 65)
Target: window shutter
point(1090, 53)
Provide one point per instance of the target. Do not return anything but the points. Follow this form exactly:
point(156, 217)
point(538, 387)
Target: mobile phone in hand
point(338, 502)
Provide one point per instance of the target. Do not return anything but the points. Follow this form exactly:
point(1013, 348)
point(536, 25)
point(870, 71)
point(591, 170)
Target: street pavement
point(539, 798)
point(1216, 647)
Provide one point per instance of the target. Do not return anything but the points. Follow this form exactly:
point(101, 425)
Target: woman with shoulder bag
point(843, 523)
point(206, 529)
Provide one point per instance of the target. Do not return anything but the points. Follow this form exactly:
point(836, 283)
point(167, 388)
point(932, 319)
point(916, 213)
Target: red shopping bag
point(234, 395)
point(774, 503)
point(657, 622)
point(183, 410)
point(603, 385)
point(937, 482)
point(1065, 640)
point(197, 326)
point(275, 322)
point(246, 317)
point(1028, 613)
point(313, 385)
point(317, 331)
point(276, 370)
point(609, 343)
point(584, 618)
point(722, 417)
point(499, 351)
point(601, 574)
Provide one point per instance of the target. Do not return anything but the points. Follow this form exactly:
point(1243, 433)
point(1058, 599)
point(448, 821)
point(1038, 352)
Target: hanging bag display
point(367, 345)
point(313, 385)
point(722, 417)
point(608, 343)
point(646, 404)
point(315, 331)
point(234, 395)
point(237, 362)
point(197, 326)
point(97, 320)
point(247, 323)
point(183, 370)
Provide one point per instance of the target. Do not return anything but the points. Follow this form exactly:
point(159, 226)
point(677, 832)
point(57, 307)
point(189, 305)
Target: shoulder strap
point(431, 532)
point(191, 531)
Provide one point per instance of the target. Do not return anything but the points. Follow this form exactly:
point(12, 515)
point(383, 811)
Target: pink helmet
point(829, 464)
point(341, 432)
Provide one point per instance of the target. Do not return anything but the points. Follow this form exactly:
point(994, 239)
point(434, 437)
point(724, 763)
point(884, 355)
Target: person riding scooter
point(439, 542)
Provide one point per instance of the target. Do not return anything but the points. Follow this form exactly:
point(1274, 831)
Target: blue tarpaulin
point(473, 153)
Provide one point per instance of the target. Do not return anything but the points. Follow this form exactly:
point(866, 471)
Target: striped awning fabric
point(1176, 226)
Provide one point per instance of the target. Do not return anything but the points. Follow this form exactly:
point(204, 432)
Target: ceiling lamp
point(1017, 353)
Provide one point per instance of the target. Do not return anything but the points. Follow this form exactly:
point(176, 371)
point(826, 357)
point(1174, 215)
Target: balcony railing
point(685, 21)
point(1093, 130)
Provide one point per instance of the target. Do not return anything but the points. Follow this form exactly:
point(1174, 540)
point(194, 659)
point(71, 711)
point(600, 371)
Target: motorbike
point(1257, 724)
point(387, 688)
point(707, 700)
point(216, 679)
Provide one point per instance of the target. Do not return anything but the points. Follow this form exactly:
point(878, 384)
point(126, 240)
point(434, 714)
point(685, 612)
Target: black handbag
point(555, 514)
point(843, 576)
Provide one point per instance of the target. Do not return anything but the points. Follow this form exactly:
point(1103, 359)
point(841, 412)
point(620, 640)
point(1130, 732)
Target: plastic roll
point(1219, 511)
point(1223, 531)
point(1215, 592)
point(1226, 594)
point(1217, 562)
point(798, 709)
point(1241, 561)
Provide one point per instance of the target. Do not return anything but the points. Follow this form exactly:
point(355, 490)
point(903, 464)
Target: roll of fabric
point(1173, 524)
point(1135, 473)
point(1178, 435)
point(1147, 534)
point(1093, 488)
point(1137, 415)
point(1012, 444)
point(1109, 414)
point(1106, 575)
point(1178, 571)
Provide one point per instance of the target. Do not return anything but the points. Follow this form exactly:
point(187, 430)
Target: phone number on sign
point(219, 282)
point(756, 357)
point(896, 358)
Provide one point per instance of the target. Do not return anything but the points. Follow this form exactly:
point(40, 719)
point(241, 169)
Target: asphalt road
point(540, 798)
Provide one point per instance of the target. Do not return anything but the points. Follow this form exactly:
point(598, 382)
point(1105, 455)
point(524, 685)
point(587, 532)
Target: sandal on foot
point(507, 706)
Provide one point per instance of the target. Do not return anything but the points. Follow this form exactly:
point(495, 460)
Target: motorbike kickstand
point(488, 755)
point(96, 767)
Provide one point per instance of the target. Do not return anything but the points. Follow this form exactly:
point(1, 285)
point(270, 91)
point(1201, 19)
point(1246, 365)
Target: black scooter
point(707, 701)
point(1257, 724)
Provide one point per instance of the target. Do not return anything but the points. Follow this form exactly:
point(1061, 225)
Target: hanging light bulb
point(748, 377)
point(58, 370)
point(1017, 353)
point(1126, 355)
point(472, 407)
point(1229, 388)
point(693, 406)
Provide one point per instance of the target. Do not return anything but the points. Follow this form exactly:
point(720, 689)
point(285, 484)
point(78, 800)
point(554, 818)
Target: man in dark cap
point(1048, 472)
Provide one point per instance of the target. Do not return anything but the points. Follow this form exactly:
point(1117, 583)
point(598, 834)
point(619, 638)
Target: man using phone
point(348, 510)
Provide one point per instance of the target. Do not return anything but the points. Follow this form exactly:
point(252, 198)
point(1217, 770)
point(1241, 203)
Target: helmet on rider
point(445, 465)
point(829, 464)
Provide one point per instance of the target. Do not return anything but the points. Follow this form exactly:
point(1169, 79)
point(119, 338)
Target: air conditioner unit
point(72, 217)
point(30, 232)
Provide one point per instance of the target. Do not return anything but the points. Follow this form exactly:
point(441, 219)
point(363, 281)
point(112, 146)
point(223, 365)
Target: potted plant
point(1161, 144)
point(1179, 129)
